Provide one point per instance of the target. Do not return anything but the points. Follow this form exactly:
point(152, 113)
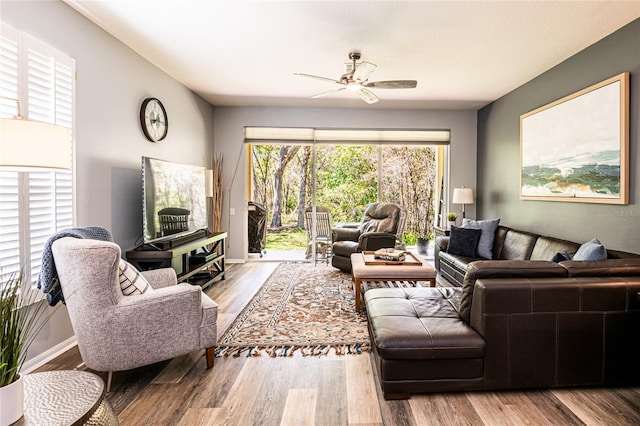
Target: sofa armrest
point(442, 242)
point(158, 278)
point(603, 268)
point(345, 234)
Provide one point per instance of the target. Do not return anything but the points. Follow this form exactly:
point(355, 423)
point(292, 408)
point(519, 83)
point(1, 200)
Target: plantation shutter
point(35, 204)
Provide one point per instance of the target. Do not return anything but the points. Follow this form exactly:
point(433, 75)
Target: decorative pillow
point(463, 241)
point(488, 228)
point(131, 281)
point(561, 257)
point(591, 250)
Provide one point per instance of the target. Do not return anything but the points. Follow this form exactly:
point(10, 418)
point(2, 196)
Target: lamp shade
point(26, 144)
point(462, 196)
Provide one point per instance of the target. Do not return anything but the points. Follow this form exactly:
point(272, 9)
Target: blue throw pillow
point(488, 228)
point(463, 241)
point(561, 257)
point(591, 250)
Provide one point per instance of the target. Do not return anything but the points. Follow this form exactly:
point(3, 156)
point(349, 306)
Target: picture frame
point(576, 149)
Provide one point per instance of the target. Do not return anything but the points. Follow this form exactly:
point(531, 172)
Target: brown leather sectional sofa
point(508, 244)
point(512, 324)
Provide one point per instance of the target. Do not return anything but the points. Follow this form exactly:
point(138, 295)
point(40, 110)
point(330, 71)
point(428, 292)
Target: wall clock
point(153, 119)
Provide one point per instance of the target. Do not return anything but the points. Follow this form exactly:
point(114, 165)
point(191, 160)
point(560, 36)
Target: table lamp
point(462, 196)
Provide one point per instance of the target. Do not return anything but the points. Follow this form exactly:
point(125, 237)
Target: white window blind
point(33, 205)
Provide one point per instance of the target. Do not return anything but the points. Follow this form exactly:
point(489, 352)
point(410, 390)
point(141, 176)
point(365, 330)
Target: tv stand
point(199, 261)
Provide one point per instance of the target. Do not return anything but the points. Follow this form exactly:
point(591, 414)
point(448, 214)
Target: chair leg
point(210, 353)
point(109, 377)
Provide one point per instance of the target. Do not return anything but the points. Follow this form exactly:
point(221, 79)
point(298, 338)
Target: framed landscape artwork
point(577, 148)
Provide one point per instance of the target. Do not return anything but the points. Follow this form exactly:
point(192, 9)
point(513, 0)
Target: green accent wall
point(617, 226)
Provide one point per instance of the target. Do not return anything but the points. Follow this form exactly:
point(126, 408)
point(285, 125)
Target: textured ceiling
point(464, 54)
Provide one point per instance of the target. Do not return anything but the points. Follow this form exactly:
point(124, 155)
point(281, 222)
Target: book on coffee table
point(409, 260)
point(389, 254)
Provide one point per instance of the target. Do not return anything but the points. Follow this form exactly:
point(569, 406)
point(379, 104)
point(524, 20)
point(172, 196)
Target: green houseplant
point(452, 217)
point(23, 316)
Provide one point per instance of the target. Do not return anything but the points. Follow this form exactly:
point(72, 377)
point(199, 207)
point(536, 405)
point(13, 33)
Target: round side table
point(67, 397)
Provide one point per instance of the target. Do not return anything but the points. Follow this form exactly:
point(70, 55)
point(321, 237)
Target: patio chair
point(323, 237)
point(381, 226)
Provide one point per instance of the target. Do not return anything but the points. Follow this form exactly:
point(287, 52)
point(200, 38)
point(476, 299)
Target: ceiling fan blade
point(333, 80)
point(328, 92)
point(393, 84)
point(367, 96)
point(363, 71)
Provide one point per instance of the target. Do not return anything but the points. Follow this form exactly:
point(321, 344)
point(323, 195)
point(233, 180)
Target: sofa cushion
point(546, 248)
point(488, 233)
point(518, 245)
point(464, 241)
point(131, 281)
point(591, 250)
point(419, 323)
point(504, 269)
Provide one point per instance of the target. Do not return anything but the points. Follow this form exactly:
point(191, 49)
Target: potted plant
point(452, 217)
point(423, 243)
point(23, 316)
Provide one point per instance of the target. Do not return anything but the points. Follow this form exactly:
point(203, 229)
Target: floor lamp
point(26, 146)
point(30, 145)
point(462, 196)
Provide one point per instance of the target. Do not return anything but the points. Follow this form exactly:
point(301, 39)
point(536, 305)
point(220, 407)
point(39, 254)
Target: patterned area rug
point(302, 307)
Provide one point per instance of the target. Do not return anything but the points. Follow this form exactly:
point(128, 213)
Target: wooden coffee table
point(414, 271)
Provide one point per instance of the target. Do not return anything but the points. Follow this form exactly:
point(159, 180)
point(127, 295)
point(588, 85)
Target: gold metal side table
point(66, 397)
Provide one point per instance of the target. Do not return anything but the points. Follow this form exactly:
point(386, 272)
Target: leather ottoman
point(420, 343)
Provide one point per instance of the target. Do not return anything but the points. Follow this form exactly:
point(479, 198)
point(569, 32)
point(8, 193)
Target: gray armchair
point(381, 225)
point(117, 332)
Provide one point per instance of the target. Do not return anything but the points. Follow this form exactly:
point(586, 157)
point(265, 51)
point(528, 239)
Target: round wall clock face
point(153, 118)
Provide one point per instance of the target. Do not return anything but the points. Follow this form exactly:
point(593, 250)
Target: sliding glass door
point(291, 179)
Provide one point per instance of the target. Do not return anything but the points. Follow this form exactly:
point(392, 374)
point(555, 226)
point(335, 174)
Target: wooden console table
point(199, 261)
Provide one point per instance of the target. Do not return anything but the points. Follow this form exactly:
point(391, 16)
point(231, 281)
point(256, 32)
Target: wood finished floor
point(331, 390)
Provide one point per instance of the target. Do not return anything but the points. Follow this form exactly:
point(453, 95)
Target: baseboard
point(234, 261)
point(39, 360)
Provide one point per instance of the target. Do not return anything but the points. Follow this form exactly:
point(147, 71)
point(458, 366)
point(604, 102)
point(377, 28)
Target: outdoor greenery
point(347, 180)
point(287, 239)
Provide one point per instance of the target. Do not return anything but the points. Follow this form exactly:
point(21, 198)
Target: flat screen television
point(174, 200)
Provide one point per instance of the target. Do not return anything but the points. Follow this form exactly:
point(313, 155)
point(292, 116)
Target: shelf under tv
point(191, 259)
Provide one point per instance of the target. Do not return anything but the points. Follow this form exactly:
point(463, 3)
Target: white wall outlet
point(232, 211)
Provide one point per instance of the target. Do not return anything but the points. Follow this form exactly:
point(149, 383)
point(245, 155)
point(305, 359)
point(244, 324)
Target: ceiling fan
point(357, 79)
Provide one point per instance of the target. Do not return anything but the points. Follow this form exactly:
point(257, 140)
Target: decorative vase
point(452, 223)
point(422, 245)
point(11, 402)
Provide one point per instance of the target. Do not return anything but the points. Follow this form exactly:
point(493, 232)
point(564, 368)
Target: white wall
point(229, 123)
point(112, 83)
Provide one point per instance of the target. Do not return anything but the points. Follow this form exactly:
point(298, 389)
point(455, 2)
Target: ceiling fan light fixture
point(356, 79)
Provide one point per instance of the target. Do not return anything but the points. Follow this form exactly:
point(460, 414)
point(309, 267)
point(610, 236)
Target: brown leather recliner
point(380, 227)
